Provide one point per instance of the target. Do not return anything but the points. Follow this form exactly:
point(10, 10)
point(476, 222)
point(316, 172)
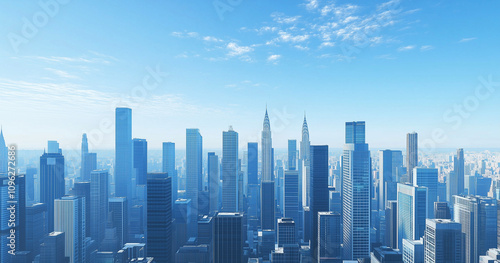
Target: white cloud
point(467, 39)
point(406, 48)
point(426, 48)
point(236, 50)
point(287, 37)
point(273, 58)
point(61, 73)
point(312, 4)
point(282, 19)
point(212, 39)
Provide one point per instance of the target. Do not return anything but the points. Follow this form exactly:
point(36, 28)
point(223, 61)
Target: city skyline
point(207, 73)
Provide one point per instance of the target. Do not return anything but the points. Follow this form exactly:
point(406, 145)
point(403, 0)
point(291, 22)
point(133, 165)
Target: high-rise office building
point(427, 177)
point(459, 172)
point(411, 155)
point(329, 236)
point(253, 163)
point(319, 190)
point(413, 251)
point(140, 161)
point(36, 226)
point(441, 210)
point(478, 217)
point(230, 196)
point(194, 151)
point(98, 204)
point(168, 166)
point(268, 202)
point(52, 250)
point(159, 216)
point(52, 185)
point(119, 208)
point(385, 254)
point(213, 181)
point(292, 155)
point(124, 156)
point(305, 152)
point(444, 241)
point(31, 173)
point(291, 195)
point(412, 212)
point(69, 217)
point(88, 160)
point(391, 224)
point(228, 238)
point(390, 162)
point(82, 189)
point(356, 181)
point(287, 249)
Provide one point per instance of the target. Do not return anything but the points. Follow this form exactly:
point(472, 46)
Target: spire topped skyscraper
point(305, 143)
point(85, 151)
point(267, 145)
point(267, 186)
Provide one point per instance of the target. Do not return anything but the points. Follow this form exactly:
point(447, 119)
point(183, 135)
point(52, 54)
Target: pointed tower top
point(305, 129)
point(267, 124)
point(2, 140)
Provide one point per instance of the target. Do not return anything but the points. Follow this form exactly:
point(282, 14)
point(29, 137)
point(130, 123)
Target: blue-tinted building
point(253, 163)
point(329, 236)
point(98, 204)
point(118, 206)
point(159, 216)
point(228, 238)
point(356, 182)
point(230, 196)
point(412, 212)
point(140, 161)
point(52, 185)
point(168, 166)
point(291, 195)
point(52, 248)
point(194, 148)
point(427, 177)
point(213, 182)
point(320, 201)
point(292, 155)
point(124, 157)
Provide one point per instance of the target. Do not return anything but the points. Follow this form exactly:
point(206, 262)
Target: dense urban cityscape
point(250, 204)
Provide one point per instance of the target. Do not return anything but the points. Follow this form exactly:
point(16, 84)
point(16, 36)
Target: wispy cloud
point(463, 40)
point(274, 58)
point(62, 73)
point(426, 48)
point(406, 48)
point(212, 39)
point(237, 50)
point(312, 4)
point(282, 19)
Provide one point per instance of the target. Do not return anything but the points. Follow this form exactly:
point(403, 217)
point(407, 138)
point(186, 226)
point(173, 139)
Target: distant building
point(52, 248)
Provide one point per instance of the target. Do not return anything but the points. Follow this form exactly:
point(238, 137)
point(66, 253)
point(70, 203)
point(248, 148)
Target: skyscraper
point(478, 217)
point(228, 238)
point(98, 204)
point(213, 181)
point(194, 148)
point(329, 236)
point(119, 209)
point(140, 161)
point(36, 227)
point(253, 163)
point(441, 210)
point(305, 152)
point(457, 186)
point(356, 181)
point(52, 250)
point(390, 162)
point(4, 154)
point(82, 189)
point(411, 154)
point(320, 201)
point(267, 199)
point(413, 251)
point(230, 197)
point(291, 195)
point(427, 177)
point(412, 211)
point(52, 184)
point(444, 241)
point(123, 153)
point(391, 224)
point(168, 166)
point(292, 155)
point(159, 226)
point(287, 250)
point(84, 152)
point(69, 217)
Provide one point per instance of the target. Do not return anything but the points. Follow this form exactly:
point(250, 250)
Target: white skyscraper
point(305, 151)
point(267, 187)
point(69, 217)
point(267, 149)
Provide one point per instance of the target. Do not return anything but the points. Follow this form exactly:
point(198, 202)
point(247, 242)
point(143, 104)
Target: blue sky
point(401, 66)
